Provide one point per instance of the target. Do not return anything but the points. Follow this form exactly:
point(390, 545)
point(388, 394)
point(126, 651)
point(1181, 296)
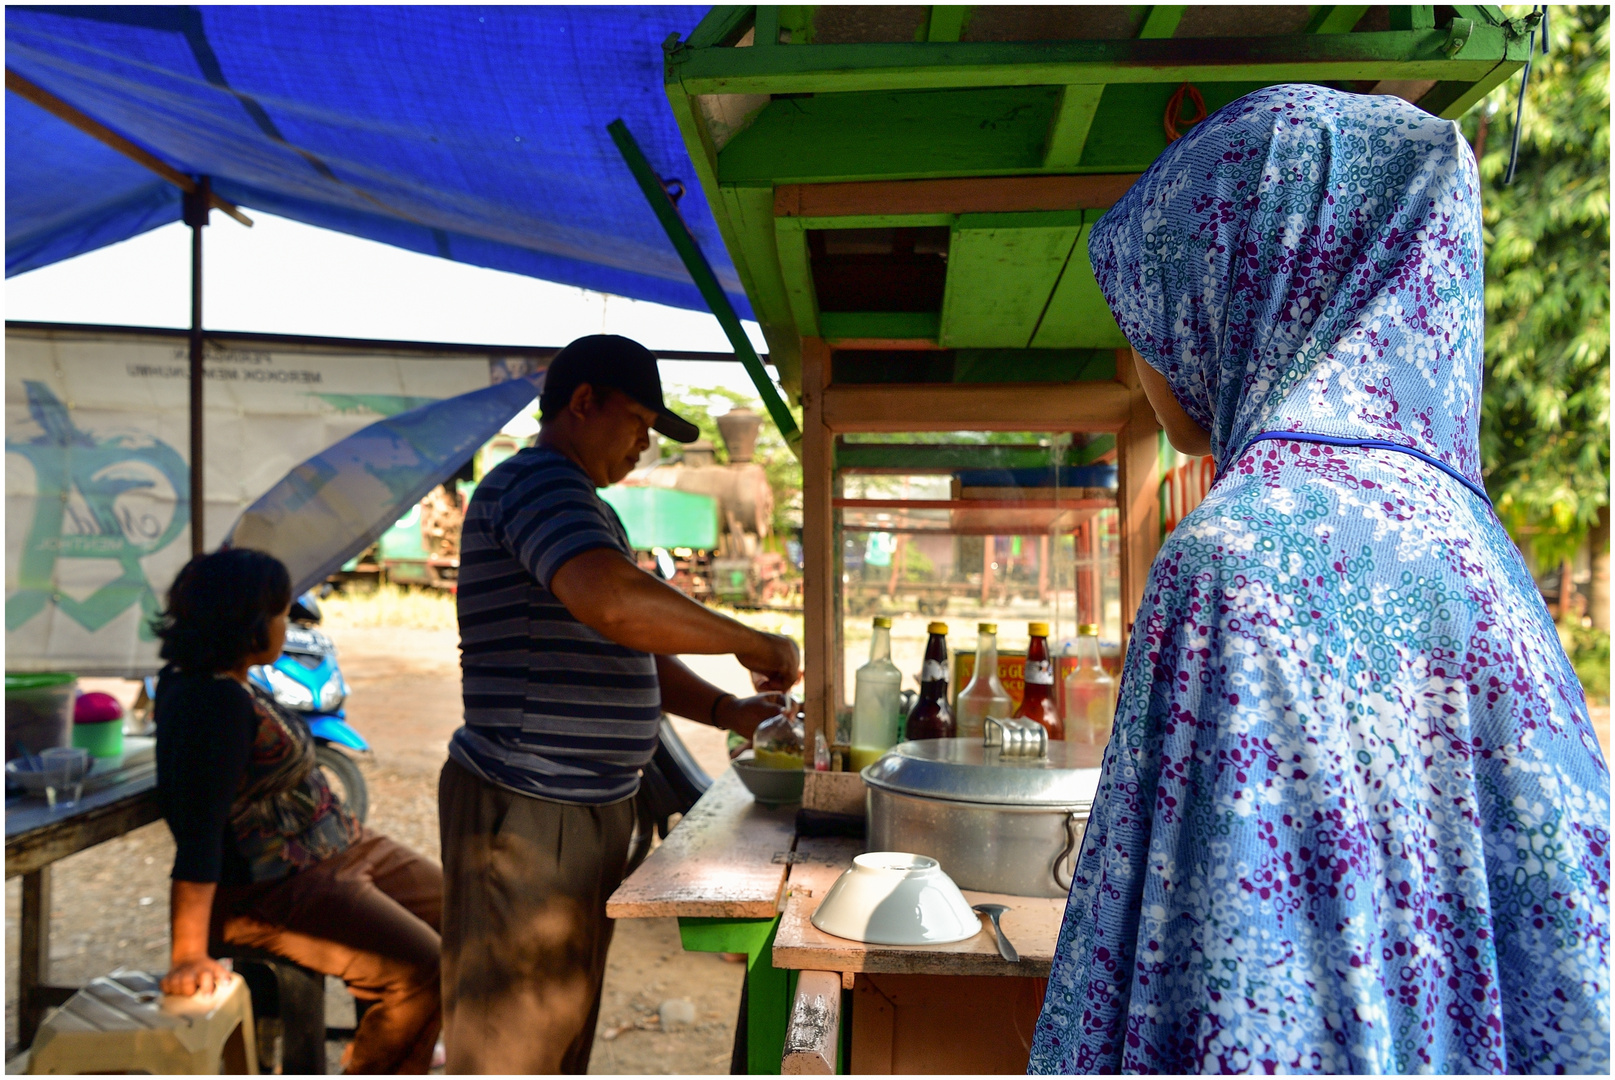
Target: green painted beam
point(784, 345)
point(1412, 17)
point(767, 26)
point(862, 136)
point(1077, 315)
point(1336, 18)
point(1412, 54)
point(947, 22)
point(751, 208)
point(1162, 21)
point(896, 325)
point(1069, 132)
point(949, 457)
point(1127, 135)
point(721, 26)
point(796, 20)
point(867, 221)
point(834, 136)
point(696, 263)
point(768, 988)
point(1002, 269)
point(796, 270)
point(1034, 365)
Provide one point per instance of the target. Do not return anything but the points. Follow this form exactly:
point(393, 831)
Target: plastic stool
point(125, 1023)
point(290, 993)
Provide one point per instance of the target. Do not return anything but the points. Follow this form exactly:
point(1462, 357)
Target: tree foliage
point(1545, 411)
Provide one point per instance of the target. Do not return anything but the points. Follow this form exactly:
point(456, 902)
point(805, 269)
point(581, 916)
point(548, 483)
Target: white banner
point(97, 473)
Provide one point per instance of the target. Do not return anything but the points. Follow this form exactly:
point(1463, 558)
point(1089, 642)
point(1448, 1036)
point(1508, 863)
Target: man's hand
point(194, 975)
point(742, 715)
point(774, 661)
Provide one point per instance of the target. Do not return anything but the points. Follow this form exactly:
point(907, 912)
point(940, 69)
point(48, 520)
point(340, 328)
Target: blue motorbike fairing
point(335, 729)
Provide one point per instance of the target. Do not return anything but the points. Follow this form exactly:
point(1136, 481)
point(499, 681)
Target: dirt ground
point(110, 905)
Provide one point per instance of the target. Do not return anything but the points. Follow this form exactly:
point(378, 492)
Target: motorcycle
point(305, 680)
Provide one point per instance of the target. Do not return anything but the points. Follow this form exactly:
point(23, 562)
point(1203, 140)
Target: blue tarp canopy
point(477, 134)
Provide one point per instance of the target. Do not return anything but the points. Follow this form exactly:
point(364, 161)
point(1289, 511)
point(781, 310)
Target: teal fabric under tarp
point(474, 133)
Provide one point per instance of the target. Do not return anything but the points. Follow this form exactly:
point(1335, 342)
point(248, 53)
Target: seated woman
point(267, 855)
point(1353, 816)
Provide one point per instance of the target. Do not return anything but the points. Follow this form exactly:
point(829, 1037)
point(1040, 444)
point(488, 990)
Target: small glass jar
point(781, 741)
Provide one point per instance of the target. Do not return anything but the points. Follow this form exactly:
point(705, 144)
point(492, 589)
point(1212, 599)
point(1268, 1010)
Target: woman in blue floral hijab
point(1353, 817)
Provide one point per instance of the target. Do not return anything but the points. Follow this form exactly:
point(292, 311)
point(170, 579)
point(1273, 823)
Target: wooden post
point(819, 661)
point(33, 965)
point(989, 548)
point(814, 1031)
point(1043, 568)
point(1138, 456)
point(195, 207)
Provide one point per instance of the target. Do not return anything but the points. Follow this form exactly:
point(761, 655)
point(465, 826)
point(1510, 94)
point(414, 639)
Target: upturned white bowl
point(894, 898)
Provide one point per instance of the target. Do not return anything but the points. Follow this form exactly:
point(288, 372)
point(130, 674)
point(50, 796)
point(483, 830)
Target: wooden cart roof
point(916, 185)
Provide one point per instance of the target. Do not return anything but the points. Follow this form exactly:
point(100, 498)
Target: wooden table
point(36, 837)
point(721, 873)
point(738, 879)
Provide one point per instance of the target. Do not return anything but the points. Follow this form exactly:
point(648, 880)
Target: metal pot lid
point(963, 770)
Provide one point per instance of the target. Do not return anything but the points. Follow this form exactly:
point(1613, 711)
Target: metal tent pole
point(196, 216)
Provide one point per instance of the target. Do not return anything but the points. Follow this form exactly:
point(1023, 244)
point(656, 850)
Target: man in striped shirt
point(569, 656)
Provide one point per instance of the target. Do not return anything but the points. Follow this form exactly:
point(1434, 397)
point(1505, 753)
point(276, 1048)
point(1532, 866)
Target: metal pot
point(997, 821)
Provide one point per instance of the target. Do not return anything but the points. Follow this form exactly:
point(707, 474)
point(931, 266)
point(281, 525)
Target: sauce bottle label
point(1040, 672)
point(933, 671)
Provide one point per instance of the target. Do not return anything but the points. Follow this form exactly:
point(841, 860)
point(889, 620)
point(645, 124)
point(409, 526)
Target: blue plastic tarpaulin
point(474, 133)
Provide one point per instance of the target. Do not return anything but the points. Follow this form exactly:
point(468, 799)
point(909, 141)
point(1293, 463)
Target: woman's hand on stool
point(190, 969)
point(196, 975)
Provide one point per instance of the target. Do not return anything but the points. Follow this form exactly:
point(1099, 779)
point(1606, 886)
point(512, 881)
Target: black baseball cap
point(608, 360)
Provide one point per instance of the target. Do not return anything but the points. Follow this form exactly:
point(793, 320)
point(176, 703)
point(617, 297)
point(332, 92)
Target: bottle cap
point(1087, 629)
point(1037, 629)
point(986, 628)
point(937, 628)
point(882, 622)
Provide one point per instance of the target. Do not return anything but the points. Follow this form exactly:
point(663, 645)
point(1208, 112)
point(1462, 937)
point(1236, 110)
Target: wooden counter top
point(1031, 924)
point(726, 859)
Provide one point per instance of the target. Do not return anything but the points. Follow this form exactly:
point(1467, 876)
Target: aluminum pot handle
point(1072, 839)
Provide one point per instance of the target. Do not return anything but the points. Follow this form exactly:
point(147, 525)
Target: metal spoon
point(1005, 949)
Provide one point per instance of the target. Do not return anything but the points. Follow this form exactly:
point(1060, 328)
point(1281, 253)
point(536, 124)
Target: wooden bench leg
point(33, 966)
point(814, 1031)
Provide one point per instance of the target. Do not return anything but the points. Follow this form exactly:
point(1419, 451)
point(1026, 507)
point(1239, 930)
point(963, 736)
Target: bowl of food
point(769, 784)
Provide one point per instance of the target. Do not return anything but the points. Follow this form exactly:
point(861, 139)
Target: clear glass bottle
point(984, 695)
point(1090, 692)
point(877, 689)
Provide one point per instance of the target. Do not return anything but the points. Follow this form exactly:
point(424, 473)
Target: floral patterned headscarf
point(1309, 260)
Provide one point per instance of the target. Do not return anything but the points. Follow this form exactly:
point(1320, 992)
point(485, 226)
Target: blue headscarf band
point(1369, 444)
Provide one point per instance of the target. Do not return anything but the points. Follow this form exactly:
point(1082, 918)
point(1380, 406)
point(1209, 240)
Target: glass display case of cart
point(973, 529)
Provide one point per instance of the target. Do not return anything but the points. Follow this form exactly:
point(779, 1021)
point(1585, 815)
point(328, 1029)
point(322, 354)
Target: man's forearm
point(613, 596)
point(684, 693)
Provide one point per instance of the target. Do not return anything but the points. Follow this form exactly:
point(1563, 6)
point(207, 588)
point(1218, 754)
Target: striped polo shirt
point(552, 708)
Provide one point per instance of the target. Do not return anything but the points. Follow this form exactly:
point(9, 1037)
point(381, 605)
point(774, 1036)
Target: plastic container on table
point(98, 725)
point(39, 711)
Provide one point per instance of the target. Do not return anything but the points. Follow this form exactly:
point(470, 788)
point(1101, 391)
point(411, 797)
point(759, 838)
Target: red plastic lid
point(96, 708)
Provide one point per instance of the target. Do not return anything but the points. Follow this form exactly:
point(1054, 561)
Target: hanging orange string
point(1174, 111)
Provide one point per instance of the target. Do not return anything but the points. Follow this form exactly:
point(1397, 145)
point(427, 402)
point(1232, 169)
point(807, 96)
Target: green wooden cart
point(907, 194)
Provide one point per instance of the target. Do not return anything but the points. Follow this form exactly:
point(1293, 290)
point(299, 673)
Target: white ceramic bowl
point(894, 898)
